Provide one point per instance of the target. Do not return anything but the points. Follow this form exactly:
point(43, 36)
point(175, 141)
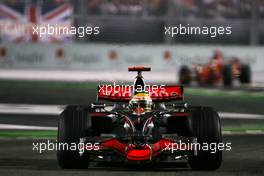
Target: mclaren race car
point(139, 124)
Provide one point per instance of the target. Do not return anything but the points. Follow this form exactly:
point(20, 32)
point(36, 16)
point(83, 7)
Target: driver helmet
point(140, 103)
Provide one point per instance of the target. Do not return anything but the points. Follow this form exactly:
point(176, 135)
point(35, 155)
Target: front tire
point(185, 76)
point(205, 126)
point(73, 123)
point(245, 76)
point(227, 75)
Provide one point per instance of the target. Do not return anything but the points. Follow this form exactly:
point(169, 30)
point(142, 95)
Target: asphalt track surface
point(17, 158)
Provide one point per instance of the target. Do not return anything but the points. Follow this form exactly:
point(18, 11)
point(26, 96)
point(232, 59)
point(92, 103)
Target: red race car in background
point(217, 71)
point(146, 125)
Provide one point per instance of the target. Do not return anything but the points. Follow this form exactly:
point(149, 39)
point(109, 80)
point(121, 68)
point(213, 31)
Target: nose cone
point(139, 155)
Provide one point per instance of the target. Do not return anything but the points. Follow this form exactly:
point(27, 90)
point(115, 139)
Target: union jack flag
point(17, 21)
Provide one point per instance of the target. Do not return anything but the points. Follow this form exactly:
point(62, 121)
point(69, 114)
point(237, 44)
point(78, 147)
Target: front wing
point(171, 145)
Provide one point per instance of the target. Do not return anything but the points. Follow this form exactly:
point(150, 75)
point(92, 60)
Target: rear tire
point(205, 126)
point(185, 75)
point(73, 124)
point(227, 75)
point(245, 76)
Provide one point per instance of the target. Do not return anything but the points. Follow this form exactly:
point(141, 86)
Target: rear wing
point(124, 93)
point(139, 68)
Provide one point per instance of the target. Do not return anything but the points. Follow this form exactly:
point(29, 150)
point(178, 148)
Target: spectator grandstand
point(119, 20)
point(180, 8)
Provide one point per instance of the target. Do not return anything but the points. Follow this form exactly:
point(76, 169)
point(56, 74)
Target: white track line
point(246, 132)
point(228, 115)
point(25, 127)
point(57, 109)
point(80, 76)
point(77, 75)
point(31, 109)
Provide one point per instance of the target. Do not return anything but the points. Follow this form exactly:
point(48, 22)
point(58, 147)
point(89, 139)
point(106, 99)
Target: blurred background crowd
point(121, 20)
point(177, 8)
point(181, 8)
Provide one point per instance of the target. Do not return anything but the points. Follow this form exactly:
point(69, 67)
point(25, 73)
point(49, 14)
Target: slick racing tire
point(227, 75)
point(73, 122)
point(205, 126)
point(245, 75)
point(185, 75)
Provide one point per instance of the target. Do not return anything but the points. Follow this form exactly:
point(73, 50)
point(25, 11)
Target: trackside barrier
point(108, 57)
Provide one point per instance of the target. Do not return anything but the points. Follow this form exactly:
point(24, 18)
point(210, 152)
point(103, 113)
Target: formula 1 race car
point(216, 71)
point(142, 124)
